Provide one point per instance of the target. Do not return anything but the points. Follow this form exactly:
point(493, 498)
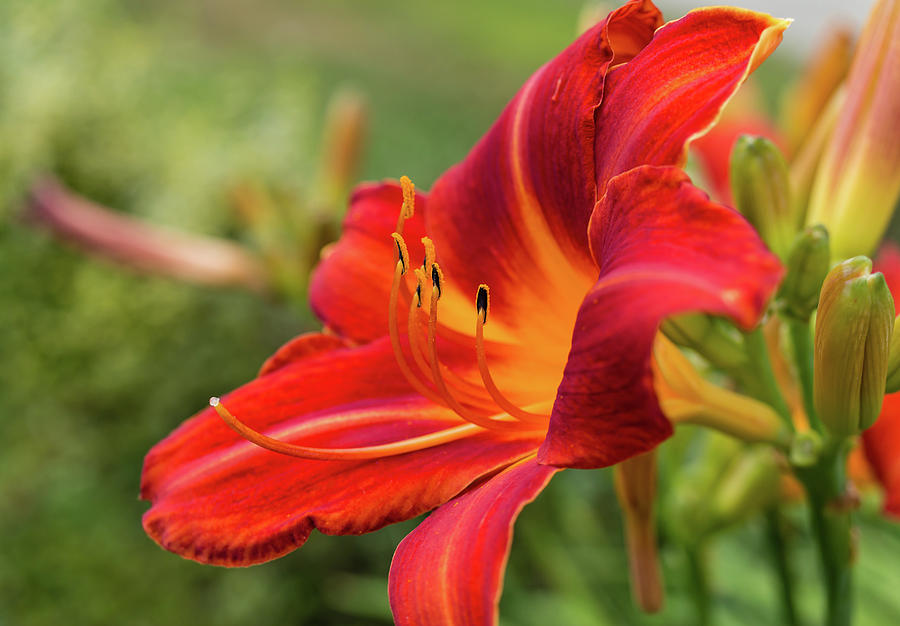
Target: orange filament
point(473, 394)
point(481, 302)
point(412, 444)
point(395, 338)
point(452, 402)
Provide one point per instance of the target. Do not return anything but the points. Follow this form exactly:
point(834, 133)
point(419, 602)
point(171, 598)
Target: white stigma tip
point(214, 402)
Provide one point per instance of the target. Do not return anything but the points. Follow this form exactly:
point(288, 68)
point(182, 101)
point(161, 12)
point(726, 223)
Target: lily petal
point(449, 570)
point(881, 443)
point(675, 89)
point(355, 273)
point(219, 499)
point(663, 248)
point(514, 213)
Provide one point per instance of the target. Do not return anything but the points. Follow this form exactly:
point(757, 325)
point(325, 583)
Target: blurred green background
point(159, 110)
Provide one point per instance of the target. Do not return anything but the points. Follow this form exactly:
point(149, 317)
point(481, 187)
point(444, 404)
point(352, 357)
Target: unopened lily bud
point(893, 375)
point(853, 336)
point(750, 484)
point(807, 266)
point(709, 336)
point(761, 187)
point(858, 180)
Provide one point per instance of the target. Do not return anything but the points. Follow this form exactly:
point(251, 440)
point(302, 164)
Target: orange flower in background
point(574, 211)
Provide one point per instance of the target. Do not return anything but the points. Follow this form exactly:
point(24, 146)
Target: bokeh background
point(160, 110)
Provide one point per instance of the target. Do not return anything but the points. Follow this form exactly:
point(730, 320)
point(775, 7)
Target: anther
point(429, 253)
point(408, 208)
point(482, 301)
point(404, 446)
point(402, 252)
point(437, 278)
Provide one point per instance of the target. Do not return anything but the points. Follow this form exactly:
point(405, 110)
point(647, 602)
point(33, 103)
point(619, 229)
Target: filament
point(473, 393)
point(404, 446)
point(484, 422)
point(501, 400)
point(417, 384)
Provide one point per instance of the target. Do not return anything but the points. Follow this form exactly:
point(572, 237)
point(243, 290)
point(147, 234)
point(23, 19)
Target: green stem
point(699, 584)
point(782, 566)
point(761, 379)
point(826, 485)
point(803, 358)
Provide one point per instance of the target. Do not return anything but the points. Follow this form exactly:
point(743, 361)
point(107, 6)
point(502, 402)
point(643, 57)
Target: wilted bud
point(761, 187)
point(635, 481)
point(710, 336)
point(853, 337)
point(807, 265)
point(858, 180)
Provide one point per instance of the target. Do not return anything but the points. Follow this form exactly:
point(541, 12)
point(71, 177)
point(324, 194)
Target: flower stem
point(826, 485)
point(803, 358)
point(699, 583)
point(761, 380)
point(782, 566)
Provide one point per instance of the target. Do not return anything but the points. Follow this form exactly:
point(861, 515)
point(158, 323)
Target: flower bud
point(893, 371)
point(807, 265)
point(858, 180)
point(710, 336)
point(749, 485)
point(761, 187)
point(853, 337)
point(635, 482)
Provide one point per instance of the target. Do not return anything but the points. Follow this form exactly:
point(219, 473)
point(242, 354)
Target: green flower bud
point(749, 485)
point(893, 375)
point(807, 265)
point(712, 337)
point(853, 338)
point(762, 192)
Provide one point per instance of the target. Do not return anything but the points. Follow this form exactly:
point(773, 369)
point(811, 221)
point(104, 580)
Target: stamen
point(474, 394)
point(485, 422)
point(404, 446)
point(482, 302)
point(395, 337)
point(408, 208)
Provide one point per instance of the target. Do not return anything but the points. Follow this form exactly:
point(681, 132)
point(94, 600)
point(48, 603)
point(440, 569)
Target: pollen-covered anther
point(403, 446)
point(402, 251)
point(430, 254)
point(408, 208)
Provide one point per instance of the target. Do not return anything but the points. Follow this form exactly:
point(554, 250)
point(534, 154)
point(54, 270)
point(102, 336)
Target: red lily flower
point(573, 209)
point(881, 442)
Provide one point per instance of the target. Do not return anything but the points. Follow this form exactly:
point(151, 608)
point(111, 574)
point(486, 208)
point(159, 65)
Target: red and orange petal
point(675, 89)
point(514, 213)
point(881, 443)
point(450, 569)
point(349, 289)
point(219, 499)
point(663, 248)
